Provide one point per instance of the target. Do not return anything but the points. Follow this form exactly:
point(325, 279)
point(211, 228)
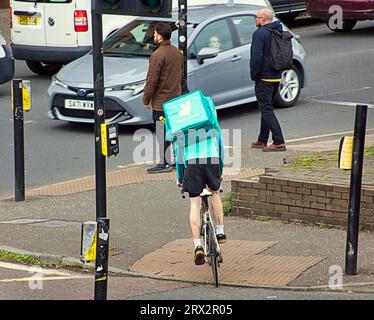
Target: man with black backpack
point(271, 50)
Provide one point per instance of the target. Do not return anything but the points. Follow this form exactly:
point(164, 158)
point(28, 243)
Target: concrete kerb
point(69, 262)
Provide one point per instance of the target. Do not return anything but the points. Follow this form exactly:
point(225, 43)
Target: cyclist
point(199, 166)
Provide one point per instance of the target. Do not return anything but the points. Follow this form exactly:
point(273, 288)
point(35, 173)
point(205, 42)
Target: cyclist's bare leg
point(195, 205)
point(217, 207)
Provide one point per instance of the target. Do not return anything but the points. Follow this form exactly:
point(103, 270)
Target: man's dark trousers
point(160, 135)
point(265, 94)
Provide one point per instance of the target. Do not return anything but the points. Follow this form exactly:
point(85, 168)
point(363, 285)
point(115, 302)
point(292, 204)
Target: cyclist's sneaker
point(221, 238)
point(160, 168)
point(199, 256)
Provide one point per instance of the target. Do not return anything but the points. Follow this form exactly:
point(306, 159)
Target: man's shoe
point(221, 238)
point(258, 144)
point(199, 256)
point(275, 147)
point(160, 168)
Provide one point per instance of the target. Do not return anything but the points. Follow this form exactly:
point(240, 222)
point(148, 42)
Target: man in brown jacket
point(163, 83)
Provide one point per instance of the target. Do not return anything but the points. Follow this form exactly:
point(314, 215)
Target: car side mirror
point(206, 53)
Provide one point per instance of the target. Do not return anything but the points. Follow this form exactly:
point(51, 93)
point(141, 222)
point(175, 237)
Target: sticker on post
point(26, 95)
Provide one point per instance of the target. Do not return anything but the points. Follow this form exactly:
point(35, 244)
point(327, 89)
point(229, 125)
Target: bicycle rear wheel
point(213, 254)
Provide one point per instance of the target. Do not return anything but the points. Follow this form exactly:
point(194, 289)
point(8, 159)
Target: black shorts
point(201, 173)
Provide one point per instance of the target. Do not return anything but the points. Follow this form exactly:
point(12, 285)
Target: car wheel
point(43, 68)
point(289, 89)
point(348, 25)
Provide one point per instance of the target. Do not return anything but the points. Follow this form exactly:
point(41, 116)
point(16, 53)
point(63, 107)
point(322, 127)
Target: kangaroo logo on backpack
point(185, 109)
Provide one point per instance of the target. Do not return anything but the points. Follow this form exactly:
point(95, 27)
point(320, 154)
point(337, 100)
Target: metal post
point(355, 190)
point(182, 39)
point(19, 149)
point(100, 165)
point(102, 254)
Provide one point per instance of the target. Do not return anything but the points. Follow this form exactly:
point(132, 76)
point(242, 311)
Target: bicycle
point(212, 250)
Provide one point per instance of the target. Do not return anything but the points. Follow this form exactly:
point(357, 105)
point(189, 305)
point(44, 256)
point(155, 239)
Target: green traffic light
point(152, 4)
point(111, 3)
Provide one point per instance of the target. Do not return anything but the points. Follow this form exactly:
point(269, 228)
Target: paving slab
point(242, 264)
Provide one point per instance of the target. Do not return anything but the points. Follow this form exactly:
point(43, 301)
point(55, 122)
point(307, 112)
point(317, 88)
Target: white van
point(50, 33)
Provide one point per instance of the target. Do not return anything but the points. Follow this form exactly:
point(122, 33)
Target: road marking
point(368, 131)
point(39, 273)
point(337, 92)
point(340, 103)
point(13, 266)
point(28, 279)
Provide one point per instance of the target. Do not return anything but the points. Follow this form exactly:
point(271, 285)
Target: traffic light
point(145, 8)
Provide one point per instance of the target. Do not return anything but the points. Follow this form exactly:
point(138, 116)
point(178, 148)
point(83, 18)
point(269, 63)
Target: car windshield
point(136, 38)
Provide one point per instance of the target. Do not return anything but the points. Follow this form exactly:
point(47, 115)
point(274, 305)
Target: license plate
point(79, 104)
point(28, 20)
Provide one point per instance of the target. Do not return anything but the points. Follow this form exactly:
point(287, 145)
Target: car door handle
point(236, 58)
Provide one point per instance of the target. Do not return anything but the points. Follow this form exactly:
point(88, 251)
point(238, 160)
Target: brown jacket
point(164, 76)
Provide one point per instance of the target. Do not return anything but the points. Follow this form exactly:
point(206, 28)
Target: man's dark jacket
point(260, 48)
point(164, 76)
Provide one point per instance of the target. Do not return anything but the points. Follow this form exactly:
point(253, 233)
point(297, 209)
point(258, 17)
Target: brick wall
point(297, 200)
point(4, 4)
point(5, 24)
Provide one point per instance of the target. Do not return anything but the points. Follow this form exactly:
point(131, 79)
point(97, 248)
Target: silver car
point(219, 40)
point(6, 62)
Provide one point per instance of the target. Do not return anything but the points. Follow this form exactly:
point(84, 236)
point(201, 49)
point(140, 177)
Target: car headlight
point(56, 82)
point(136, 88)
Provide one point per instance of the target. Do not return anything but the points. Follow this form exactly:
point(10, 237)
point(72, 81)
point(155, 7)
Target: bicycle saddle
point(205, 193)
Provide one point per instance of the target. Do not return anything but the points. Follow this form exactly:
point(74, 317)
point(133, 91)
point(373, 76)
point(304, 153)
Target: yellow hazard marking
point(7, 265)
point(39, 273)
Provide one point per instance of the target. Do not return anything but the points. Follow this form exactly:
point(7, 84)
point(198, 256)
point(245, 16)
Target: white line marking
point(28, 279)
point(13, 266)
point(340, 103)
point(337, 92)
point(326, 136)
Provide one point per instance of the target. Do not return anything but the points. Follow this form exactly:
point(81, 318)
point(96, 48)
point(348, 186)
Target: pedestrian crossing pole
point(19, 148)
point(101, 268)
point(355, 190)
point(182, 39)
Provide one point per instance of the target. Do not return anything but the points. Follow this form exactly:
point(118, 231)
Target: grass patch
point(322, 225)
point(32, 261)
point(227, 204)
point(9, 256)
point(369, 151)
point(310, 160)
point(263, 218)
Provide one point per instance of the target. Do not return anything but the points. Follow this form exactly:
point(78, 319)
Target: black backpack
point(281, 55)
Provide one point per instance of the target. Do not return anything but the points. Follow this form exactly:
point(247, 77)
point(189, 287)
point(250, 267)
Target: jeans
point(265, 94)
point(160, 135)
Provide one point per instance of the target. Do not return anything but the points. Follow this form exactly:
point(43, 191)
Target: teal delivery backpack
point(187, 114)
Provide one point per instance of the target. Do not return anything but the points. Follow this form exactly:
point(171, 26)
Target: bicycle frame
point(206, 219)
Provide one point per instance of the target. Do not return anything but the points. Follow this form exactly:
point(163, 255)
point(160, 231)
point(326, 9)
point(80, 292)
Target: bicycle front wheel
point(213, 254)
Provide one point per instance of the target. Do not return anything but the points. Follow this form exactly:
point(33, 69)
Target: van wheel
point(41, 68)
point(347, 25)
point(289, 89)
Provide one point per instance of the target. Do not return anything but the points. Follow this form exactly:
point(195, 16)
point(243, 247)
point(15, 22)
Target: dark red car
point(352, 10)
